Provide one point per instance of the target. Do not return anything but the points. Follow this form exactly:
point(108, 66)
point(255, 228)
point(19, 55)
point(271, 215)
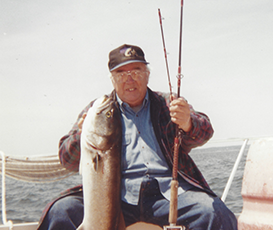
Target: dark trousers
point(196, 210)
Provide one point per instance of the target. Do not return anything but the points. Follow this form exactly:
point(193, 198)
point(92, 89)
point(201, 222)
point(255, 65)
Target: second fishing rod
point(174, 182)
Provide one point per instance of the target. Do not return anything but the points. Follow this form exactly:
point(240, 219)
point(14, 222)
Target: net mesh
point(39, 169)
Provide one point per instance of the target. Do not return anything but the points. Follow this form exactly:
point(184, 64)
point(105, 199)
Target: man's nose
point(129, 78)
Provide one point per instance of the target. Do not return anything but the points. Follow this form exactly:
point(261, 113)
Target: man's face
point(130, 82)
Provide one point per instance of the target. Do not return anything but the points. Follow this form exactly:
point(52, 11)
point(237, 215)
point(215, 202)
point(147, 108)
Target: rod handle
point(173, 202)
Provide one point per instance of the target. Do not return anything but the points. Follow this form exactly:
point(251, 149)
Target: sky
point(54, 55)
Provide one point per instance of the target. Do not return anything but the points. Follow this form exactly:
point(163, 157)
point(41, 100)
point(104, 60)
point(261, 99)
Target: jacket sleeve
point(200, 133)
point(69, 145)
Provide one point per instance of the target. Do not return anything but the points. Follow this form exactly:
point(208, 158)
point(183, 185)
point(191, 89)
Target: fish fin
point(96, 162)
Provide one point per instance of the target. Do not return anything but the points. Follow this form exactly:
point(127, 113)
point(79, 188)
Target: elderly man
point(148, 131)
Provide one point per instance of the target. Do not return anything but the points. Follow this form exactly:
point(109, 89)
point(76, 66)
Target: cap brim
point(128, 62)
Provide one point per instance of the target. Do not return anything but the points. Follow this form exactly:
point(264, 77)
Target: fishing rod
point(165, 52)
point(174, 182)
point(179, 75)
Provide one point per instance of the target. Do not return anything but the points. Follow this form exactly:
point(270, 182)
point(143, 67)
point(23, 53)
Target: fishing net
point(39, 169)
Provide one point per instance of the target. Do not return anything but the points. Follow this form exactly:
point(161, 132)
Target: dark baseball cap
point(124, 55)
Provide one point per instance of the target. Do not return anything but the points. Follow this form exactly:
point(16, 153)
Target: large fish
point(100, 167)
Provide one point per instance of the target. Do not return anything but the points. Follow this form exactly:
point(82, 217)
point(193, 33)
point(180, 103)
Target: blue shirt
point(141, 154)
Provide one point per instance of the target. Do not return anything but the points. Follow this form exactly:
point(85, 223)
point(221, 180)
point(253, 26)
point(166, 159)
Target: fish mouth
point(105, 103)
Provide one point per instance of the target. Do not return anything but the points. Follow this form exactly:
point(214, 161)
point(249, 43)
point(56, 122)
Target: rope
point(38, 169)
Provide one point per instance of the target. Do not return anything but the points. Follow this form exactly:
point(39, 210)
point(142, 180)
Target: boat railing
point(234, 169)
point(4, 215)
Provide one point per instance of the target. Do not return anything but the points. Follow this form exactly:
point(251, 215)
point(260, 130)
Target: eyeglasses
point(122, 77)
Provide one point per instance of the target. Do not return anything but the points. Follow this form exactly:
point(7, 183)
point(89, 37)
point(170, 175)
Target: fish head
point(102, 125)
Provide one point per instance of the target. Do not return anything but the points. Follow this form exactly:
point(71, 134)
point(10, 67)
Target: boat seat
point(257, 187)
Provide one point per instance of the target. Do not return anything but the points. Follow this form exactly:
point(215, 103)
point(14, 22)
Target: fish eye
point(108, 114)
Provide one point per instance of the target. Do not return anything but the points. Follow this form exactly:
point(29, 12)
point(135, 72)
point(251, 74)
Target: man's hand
point(80, 122)
point(180, 114)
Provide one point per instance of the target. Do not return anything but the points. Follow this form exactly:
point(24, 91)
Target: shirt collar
point(124, 106)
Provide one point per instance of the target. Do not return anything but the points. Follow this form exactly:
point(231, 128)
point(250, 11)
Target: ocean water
point(25, 201)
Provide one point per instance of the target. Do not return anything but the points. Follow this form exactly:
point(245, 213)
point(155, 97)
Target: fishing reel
point(174, 228)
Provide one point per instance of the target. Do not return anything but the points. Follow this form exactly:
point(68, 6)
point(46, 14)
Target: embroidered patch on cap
point(124, 55)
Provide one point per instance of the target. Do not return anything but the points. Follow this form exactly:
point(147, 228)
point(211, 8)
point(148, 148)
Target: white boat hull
point(34, 225)
point(22, 226)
